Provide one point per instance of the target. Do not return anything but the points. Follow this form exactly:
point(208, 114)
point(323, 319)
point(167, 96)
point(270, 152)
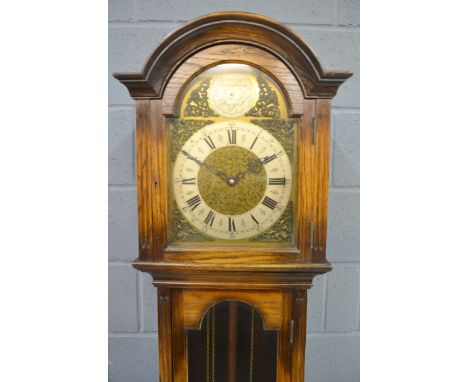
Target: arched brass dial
point(232, 180)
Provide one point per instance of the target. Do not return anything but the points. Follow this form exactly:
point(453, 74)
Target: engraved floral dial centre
point(243, 187)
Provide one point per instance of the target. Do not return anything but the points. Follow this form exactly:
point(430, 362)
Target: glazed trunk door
point(231, 345)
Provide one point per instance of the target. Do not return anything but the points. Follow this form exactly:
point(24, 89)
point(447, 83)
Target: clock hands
point(210, 168)
point(189, 156)
point(252, 167)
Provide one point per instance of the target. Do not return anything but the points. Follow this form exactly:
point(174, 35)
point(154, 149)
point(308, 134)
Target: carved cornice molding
point(233, 28)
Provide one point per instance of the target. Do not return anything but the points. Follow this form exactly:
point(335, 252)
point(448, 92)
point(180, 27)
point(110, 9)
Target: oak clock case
point(232, 146)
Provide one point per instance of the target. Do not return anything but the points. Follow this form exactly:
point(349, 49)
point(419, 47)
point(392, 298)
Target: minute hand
point(210, 168)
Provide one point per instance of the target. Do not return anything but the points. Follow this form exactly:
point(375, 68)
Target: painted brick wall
point(331, 27)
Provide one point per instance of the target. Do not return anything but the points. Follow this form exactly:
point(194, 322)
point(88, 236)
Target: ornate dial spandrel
point(182, 130)
point(197, 104)
point(281, 231)
point(282, 130)
point(183, 230)
point(267, 103)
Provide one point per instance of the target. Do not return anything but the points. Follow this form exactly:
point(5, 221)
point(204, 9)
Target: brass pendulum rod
point(232, 342)
point(252, 334)
point(208, 347)
point(213, 339)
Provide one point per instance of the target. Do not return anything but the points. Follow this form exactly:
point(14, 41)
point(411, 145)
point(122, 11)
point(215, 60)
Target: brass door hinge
point(314, 130)
point(312, 235)
point(291, 331)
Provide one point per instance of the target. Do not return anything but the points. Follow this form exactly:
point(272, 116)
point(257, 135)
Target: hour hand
point(210, 168)
point(190, 156)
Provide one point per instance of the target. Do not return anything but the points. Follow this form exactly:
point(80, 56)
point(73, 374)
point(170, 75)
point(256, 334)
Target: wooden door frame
point(174, 341)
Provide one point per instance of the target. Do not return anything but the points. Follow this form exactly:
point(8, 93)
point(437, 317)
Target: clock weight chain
point(210, 345)
point(252, 334)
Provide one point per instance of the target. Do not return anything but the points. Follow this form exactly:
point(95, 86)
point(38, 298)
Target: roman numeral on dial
point(277, 181)
point(232, 136)
point(194, 202)
point(232, 226)
point(255, 220)
point(268, 159)
point(210, 218)
point(210, 142)
point(270, 203)
point(253, 143)
point(188, 181)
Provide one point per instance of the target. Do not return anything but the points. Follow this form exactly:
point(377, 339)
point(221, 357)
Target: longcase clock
point(233, 120)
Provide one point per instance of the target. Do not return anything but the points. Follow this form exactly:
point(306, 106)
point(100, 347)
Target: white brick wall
point(331, 27)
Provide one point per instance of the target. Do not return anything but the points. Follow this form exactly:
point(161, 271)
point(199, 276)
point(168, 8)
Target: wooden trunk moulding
point(192, 278)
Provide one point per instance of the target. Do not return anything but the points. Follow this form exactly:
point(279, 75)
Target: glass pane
point(232, 346)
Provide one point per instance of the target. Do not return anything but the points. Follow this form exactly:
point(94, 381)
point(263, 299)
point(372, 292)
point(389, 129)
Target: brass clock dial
point(232, 180)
